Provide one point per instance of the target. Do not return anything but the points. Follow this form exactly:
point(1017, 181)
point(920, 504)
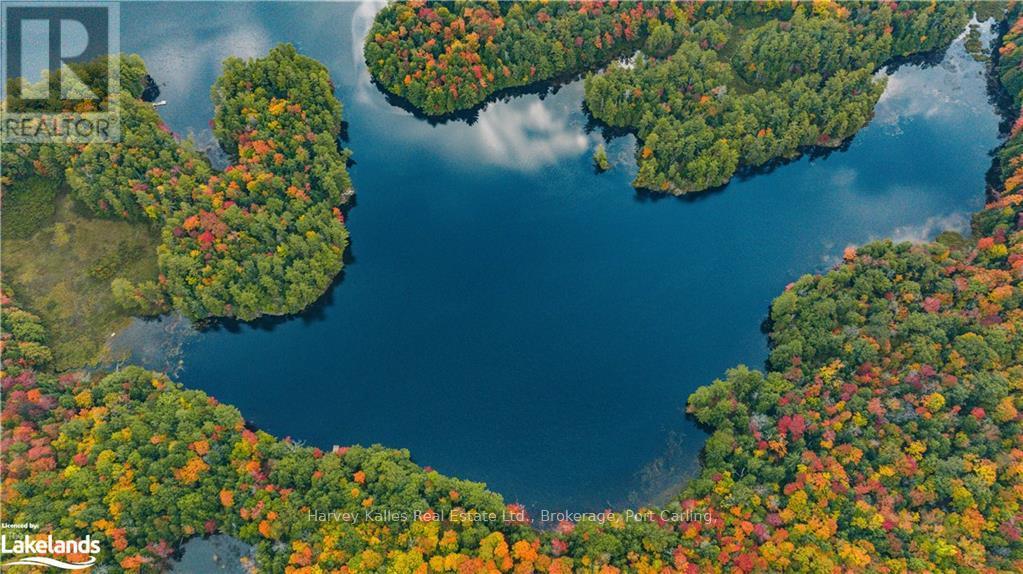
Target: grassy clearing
point(61, 264)
point(28, 207)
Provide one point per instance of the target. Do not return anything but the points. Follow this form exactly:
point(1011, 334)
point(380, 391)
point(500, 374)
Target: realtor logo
point(61, 72)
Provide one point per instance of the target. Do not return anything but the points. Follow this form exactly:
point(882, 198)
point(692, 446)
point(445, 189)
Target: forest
point(884, 438)
point(708, 88)
point(265, 236)
point(884, 435)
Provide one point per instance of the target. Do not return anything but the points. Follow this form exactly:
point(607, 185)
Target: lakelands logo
point(46, 547)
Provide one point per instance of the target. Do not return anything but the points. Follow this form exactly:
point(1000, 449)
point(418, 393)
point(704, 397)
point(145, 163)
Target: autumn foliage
point(709, 87)
point(266, 235)
point(884, 436)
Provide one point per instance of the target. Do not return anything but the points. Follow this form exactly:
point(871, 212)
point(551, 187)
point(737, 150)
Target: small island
point(600, 160)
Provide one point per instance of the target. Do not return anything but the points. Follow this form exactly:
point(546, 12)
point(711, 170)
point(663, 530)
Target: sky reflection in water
point(509, 315)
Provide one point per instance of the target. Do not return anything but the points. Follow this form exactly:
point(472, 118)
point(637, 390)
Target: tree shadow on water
point(314, 313)
point(607, 131)
point(472, 115)
point(743, 174)
point(922, 60)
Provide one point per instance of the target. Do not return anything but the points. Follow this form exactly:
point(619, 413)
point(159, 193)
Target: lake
point(509, 315)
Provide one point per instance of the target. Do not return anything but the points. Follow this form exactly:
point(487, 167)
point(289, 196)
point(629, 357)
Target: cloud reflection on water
point(525, 133)
point(182, 64)
point(932, 91)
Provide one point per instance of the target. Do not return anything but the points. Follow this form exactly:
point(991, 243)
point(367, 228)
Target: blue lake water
point(509, 315)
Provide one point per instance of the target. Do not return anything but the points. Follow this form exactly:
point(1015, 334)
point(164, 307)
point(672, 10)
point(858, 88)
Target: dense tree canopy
point(765, 93)
point(1010, 62)
point(443, 56)
point(265, 236)
point(712, 87)
point(884, 436)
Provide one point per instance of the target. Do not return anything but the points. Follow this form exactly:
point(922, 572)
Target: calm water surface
point(509, 315)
